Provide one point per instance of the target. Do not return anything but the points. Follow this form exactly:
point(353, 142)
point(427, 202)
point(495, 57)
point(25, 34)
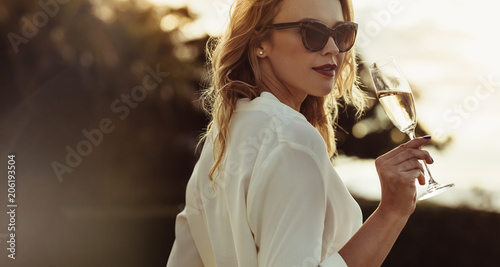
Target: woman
point(264, 192)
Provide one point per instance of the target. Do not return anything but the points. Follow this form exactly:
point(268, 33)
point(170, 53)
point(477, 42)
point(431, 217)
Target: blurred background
point(99, 105)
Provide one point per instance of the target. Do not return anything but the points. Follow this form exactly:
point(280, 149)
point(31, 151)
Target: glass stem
point(411, 134)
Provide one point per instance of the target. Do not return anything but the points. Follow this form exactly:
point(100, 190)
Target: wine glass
point(394, 93)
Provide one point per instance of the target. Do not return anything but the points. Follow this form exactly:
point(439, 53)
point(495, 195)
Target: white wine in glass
point(394, 93)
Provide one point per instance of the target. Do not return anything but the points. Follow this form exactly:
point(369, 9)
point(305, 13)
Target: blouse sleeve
point(184, 252)
point(287, 207)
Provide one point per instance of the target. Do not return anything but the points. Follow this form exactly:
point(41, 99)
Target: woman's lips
point(327, 70)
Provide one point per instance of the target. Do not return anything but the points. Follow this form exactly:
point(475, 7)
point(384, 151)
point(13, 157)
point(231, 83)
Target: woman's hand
point(397, 170)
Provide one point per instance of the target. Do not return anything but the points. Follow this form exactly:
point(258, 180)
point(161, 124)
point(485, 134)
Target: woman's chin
point(322, 92)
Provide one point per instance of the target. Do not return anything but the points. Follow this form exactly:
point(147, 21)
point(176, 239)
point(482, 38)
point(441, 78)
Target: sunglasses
point(315, 34)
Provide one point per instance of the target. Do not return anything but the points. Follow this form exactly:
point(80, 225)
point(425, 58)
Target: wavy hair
point(235, 74)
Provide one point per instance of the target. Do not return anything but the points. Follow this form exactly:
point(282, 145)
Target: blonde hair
point(235, 74)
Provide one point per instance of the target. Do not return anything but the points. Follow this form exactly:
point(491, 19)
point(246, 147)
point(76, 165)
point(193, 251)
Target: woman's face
point(289, 69)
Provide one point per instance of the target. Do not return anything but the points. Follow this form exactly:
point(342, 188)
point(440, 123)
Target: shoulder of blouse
point(266, 115)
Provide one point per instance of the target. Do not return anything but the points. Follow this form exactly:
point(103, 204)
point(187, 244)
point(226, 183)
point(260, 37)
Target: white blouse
point(277, 201)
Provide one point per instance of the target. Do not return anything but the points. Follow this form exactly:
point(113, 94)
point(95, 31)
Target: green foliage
point(438, 236)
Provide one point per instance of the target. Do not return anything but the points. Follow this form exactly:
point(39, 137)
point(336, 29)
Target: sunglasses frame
point(303, 24)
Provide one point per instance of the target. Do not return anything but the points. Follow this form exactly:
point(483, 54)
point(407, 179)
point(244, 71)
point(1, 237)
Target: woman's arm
point(184, 252)
point(397, 171)
point(287, 206)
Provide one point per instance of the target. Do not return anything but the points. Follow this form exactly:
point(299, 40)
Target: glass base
point(434, 190)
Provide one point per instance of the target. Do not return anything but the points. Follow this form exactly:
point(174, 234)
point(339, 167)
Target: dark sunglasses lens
point(316, 36)
point(344, 37)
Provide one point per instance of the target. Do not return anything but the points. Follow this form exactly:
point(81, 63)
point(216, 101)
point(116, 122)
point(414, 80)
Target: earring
point(261, 53)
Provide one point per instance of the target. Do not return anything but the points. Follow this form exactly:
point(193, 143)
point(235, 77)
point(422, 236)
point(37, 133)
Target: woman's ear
point(261, 47)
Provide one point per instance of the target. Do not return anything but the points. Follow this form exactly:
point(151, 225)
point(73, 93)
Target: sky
point(448, 50)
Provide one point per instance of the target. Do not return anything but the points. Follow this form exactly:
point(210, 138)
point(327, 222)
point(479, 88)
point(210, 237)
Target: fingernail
point(432, 160)
point(427, 137)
